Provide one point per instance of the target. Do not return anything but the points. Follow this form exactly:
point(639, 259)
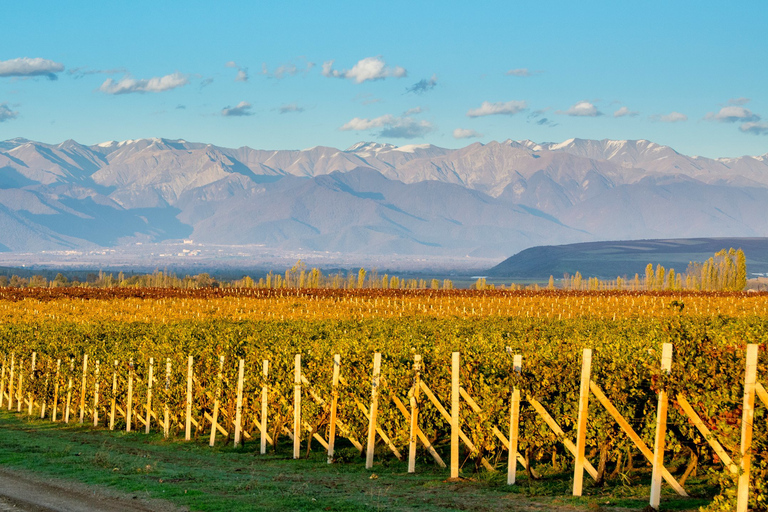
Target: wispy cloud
point(754, 128)
point(581, 109)
point(465, 133)
point(367, 69)
point(423, 86)
point(413, 111)
point(241, 109)
point(287, 69)
point(537, 117)
point(26, 67)
point(291, 107)
point(508, 108)
point(392, 126)
point(80, 72)
point(672, 117)
point(733, 114)
point(739, 101)
point(127, 85)
point(242, 73)
point(6, 114)
point(523, 72)
point(625, 112)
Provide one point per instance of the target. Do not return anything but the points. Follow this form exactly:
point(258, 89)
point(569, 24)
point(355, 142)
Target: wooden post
point(149, 394)
point(2, 380)
point(20, 385)
point(661, 431)
point(31, 381)
point(69, 390)
point(10, 383)
point(264, 393)
point(239, 403)
point(82, 388)
point(167, 411)
point(114, 398)
point(188, 421)
point(217, 397)
point(372, 419)
point(414, 414)
point(750, 377)
point(44, 398)
point(514, 424)
point(581, 434)
point(334, 405)
point(455, 368)
point(56, 391)
point(297, 407)
point(96, 395)
point(129, 407)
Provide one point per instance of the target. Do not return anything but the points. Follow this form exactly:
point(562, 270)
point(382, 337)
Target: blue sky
point(693, 75)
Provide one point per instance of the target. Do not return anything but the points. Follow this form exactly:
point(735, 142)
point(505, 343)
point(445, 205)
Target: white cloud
point(128, 85)
point(672, 117)
point(291, 107)
point(523, 72)
point(464, 133)
point(754, 128)
point(30, 67)
point(394, 127)
point(242, 109)
point(369, 68)
point(508, 108)
point(6, 114)
point(242, 73)
point(581, 109)
point(625, 112)
point(733, 114)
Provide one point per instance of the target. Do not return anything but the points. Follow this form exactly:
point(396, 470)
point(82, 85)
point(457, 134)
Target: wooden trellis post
point(149, 395)
point(264, 396)
point(297, 407)
point(20, 385)
point(581, 436)
point(10, 383)
point(661, 430)
point(747, 418)
point(113, 405)
point(96, 395)
point(44, 399)
point(414, 423)
point(31, 381)
point(455, 367)
point(69, 390)
point(166, 407)
point(82, 388)
point(372, 418)
point(239, 403)
point(56, 391)
point(217, 397)
point(188, 420)
point(514, 424)
point(2, 380)
point(334, 405)
point(129, 408)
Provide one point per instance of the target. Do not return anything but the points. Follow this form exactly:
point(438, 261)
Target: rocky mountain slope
point(484, 199)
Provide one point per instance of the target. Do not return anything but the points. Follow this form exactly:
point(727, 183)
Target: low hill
point(626, 257)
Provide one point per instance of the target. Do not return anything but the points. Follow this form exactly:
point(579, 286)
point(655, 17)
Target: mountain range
point(489, 200)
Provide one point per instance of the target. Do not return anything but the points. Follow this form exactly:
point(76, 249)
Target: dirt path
point(23, 492)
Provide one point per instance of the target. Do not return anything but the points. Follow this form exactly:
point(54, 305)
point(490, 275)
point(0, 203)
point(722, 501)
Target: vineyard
point(448, 378)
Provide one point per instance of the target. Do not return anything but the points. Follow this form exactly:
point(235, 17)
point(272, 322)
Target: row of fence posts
point(751, 388)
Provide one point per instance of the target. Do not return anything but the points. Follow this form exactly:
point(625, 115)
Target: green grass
point(229, 479)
